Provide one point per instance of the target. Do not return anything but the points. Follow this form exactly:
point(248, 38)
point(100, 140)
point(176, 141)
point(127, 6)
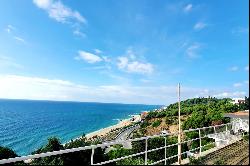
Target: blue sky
point(123, 51)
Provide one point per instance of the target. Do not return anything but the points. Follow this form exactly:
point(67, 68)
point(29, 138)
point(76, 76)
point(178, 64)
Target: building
point(240, 124)
point(143, 115)
point(238, 100)
point(240, 121)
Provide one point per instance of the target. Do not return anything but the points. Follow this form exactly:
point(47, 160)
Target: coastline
point(103, 131)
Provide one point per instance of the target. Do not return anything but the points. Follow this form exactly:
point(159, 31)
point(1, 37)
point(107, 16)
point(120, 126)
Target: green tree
point(52, 145)
point(6, 153)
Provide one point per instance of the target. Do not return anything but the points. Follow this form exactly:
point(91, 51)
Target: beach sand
point(106, 130)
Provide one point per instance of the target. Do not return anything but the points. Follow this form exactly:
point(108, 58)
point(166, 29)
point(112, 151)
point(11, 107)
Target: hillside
point(195, 113)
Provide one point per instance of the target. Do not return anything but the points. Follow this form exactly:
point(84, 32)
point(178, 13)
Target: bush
point(145, 124)
point(6, 153)
point(193, 161)
point(156, 123)
point(210, 146)
point(161, 114)
point(168, 120)
point(246, 137)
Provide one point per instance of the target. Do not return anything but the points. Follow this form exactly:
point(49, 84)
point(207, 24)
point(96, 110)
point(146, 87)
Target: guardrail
point(145, 153)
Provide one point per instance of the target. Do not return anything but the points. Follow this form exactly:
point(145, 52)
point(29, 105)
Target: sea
point(26, 125)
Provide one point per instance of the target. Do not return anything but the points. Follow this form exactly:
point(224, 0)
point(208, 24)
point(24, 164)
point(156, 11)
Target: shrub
point(194, 161)
point(156, 123)
point(6, 153)
point(145, 124)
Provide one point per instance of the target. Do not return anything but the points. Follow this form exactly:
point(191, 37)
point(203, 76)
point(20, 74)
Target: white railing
point(104, 145)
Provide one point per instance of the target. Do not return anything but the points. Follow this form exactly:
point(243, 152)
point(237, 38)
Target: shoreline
point(103, 131)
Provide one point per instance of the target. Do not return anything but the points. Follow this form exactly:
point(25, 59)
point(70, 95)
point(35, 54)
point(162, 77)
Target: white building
point(238, 100)
point(240, 123)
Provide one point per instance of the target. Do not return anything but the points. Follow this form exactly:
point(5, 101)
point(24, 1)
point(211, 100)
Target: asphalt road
point(124, 135)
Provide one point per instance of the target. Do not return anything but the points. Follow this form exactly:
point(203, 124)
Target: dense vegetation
point(200, 112)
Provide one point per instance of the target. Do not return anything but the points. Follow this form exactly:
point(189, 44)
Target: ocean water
point(25, 125)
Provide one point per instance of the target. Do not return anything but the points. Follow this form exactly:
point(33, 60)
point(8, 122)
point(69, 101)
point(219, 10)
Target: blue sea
point(25, 125)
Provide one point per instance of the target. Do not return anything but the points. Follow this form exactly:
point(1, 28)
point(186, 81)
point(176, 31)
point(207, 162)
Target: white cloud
point(13, 33)
point(145, 80)
point(106, 59)
point(138, 67)
point(125, 64)
point(233, 68)
point(10, 28)
point(192, 50)
point(230, 94)
point(59, 11)
point(188, 8)
point(130, 63)
point(24, 87)
point(88, 57)
point(63, 14)
point(240, 84)
point(247, 68)
point(19, 39)
point(97, 51)
point(79, 33)
point(13, 86)
point(199, 26)
point(44, 4)
point(7, 62)
point(237, 84)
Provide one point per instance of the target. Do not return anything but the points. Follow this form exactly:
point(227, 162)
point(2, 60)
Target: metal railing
point(201, 131)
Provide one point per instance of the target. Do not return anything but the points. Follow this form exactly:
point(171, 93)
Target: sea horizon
point(25, 125)
point(74, 101)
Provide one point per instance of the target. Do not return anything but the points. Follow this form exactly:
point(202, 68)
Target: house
point(238, 100)
point(240, 121)
point(143, 115)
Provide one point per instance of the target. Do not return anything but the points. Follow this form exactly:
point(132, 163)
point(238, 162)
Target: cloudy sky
point(123, 51)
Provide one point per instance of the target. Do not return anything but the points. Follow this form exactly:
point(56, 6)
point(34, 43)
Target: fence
point(202, 133)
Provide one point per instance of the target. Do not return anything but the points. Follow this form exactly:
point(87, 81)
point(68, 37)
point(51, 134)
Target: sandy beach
point(104, 131)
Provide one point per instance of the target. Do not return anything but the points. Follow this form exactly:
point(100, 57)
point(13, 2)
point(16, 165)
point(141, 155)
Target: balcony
point(221, 143)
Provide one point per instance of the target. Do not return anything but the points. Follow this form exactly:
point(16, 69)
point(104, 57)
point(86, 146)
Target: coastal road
point(124, 135)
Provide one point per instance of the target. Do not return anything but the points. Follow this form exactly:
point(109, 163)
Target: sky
point(128, 51)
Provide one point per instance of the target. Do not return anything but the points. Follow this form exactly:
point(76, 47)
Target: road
point(123, 136)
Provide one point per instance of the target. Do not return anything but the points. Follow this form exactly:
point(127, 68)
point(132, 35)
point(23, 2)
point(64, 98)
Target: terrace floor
point(234, 154)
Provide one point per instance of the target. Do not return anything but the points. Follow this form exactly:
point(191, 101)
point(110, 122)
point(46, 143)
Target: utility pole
point(179, 133)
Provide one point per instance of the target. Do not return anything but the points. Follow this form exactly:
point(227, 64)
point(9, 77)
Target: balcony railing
point(203, 133)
